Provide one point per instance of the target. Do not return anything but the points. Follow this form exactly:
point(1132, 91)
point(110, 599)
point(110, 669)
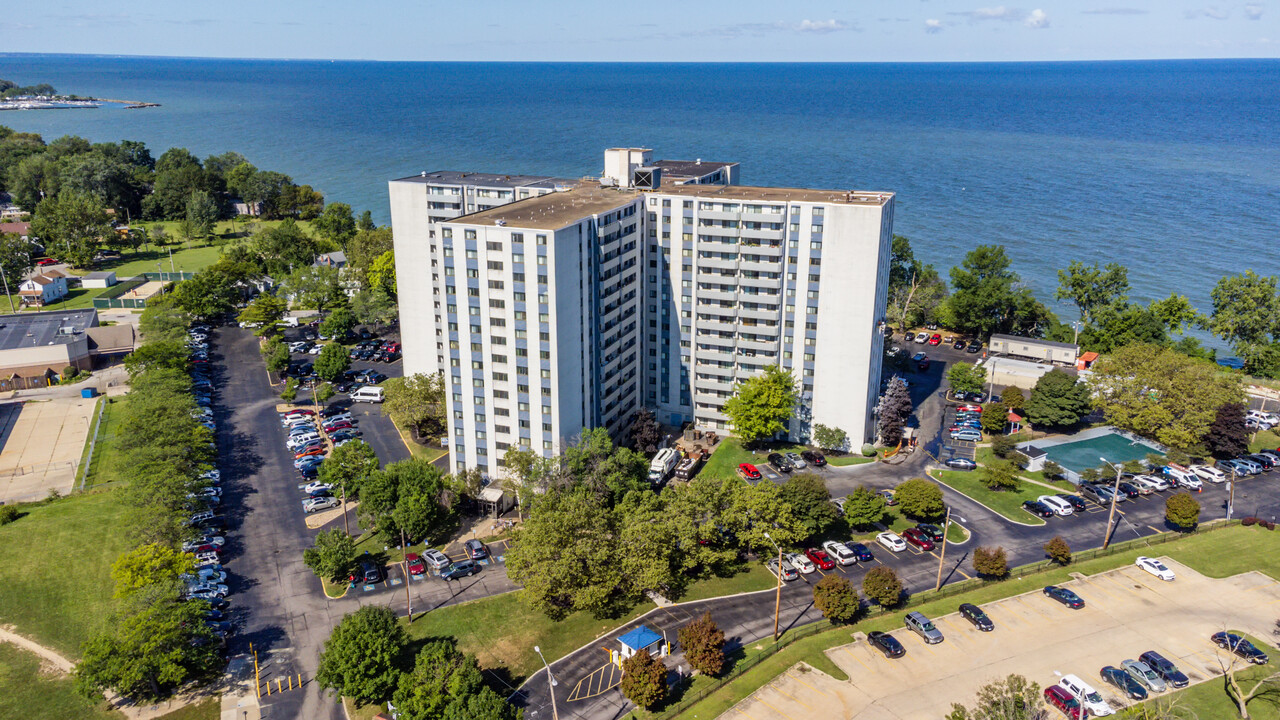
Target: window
point(542, 239)
point(476, 347)
point(493, 264)
point(542, 260)
point(546, 444)
point(496, 285)
point(499, 359)
point(517, 237)
point(469, 234)
point(517, 258)
point(471, 273)
point(497, 322)
point(546, 427)
point(471, 255)
point(497, 304)
point(477, 365)
point(474, 311)
point(503, 412)
point(544, 354)
point(495, 246)
point(498, 340)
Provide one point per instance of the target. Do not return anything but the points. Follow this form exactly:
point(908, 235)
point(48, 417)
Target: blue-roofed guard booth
point(642, 638)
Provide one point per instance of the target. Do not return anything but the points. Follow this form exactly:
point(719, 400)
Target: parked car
point(311, 505)
point(924, 627)
point(1157, 484)
point(476, 550)
point(1091, 700)
point(918, 539)
point(1123, 682)
point(370, 573)
point(1139, 671)
point(892, 541)
point(1037, 508)
point(814, 458)
point(1076, 502)
point(886, 643)
point(797, 462)
point(1261, 459)
point(1165, 669)
point(935, 339)
point(749, 471)
point(961, 464)
point(415, 565)
point(1212, 474)
point(802, 563)
point(839, 552)
point(860, 552)
point(921, 361)
point(779, 462)
point(1064, 596)
point(889, 499)
point(1155, 567)
point(1240, 646)
point(788, 572)
point(975, 615)
point(818, 557)
point(959, 344)
point(931, 531)
point(460, 569)
point(1056, 504)
point(1057, 696)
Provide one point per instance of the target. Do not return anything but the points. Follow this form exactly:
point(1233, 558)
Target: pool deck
point(1066, 458)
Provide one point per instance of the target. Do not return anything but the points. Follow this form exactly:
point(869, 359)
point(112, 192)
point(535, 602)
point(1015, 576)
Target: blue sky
point(664, 30)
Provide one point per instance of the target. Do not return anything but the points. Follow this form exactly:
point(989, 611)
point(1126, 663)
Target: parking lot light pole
point(1231, 491)
point(555, 714)
point(946, 525)
point(404, 551)
point(1115, 495)
point(777, 598)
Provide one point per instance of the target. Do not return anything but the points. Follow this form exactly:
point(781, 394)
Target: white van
point(367, 394)
point(1089, 698)
point(662, 465)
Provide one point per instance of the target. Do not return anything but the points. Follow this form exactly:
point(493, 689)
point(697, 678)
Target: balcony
point(769, 346)
point(720, 263)
point(717, 231)
point(763, 217)
point(718, 215)
point(711, 386)
point(762, 234)
point(714, 356)
point(761, 282)
point(759, 314)
point(720, 295)
point(715, 326)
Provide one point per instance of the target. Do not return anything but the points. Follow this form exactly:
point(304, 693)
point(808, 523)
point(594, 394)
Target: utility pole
point(555, 714)
point(777, 598)
point(408, 601)
point(6, 290)
point(1115, 495)
point(946, 525)
point(1231, 492)
point(171, 266)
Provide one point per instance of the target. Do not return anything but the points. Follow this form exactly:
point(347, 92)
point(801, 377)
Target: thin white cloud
point(1253, 11)
point(932, 26)
point(1115, 11)
point(1037, 19)
point(999, 12)
point(822, 26)
point(1214, 12)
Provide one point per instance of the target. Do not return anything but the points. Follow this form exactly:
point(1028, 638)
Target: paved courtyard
point(40, 446)
point(1127, 612)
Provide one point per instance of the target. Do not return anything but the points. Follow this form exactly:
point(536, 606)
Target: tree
point(1057, 400)
point(325, 392)
point(210, 292)
point(762, 405)
point(200, 214)
point(374, 307)
point(365, 221)
point(1014, 698)
point(989, 297)
point(336, 223)
point(1013, 397)
point(290, 391)
point(645, 432)
point(150, 564)
point(863, 508)
point(382, 273)
point(1227, 436)
point(1092, 288)
point(1058, 550)
point(1004, 447)
point(1246, 309)
point(278, 358)
point(1000, 475)
point(920, 498)
point(359, 658)
point(1053, 471)
point(171, 354)
point(895, 408)
point(332, 361)
point(995, 417)
point(420, 514)
point(446, 684)
point(265, 311)
point(882, 585)
point(416, 403)
point(333, 556)
point(831, 439)
point(991, 562)
point(339, 322)
point(966, 377)
point(367, 246)
point(145, 656)
point(72, 225)
point(314, 286)
point(1182, 510)
point(810, 501)
point(915, 289)
point(349, 465)
point(703, 644)
point(1264, 685)
point(837, 599)
point(15, 258)
point(284, 248)
point(644, 679)
point(757, 510)
point(1161, 394)
point(1174, 312)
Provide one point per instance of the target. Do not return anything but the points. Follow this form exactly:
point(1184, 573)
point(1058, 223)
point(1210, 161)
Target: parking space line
point(1037, 611)
point(1111, 578)
point(858, 659)
point(792, 698)
point(762, 701)
point(1094, 586)
point(965, 574)
point(800, 680)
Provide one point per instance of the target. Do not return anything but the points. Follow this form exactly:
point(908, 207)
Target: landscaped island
point(45, 97)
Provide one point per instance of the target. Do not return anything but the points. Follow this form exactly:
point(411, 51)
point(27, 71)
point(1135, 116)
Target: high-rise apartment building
point(568, 305)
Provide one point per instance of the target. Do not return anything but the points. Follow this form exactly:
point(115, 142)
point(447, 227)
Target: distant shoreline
point(69, 102)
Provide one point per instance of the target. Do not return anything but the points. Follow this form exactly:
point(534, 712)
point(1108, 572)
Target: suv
point(1082, 691)
point(1058, 697)
point(779, 462)
point(924, 627)
point(476, 550)
point(1165, 669)
point(460, 569)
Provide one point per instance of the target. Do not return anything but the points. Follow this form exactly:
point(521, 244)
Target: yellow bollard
point(290, 682)
point(268, 688)
point(277, 685)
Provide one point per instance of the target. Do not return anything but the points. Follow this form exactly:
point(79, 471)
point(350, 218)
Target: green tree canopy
point(349, 465)
point(1092, 287)
point(315, 286)
point(864, 508)
point(920, 498)
point(1057, 400)
point(882, 585)
point(762, 405)
point(332, 361)
point(147, 655)
point(336, 223)
point(265, 311)
point(359, 658)
point(810, 502)
point(1182, 510)
point(446, 684)
point(967, 377)
point(416, 402)
point(150, 564)
point(832, 439)
point(72, 225)
point(989, 298)
point(837, 600)
point(333, 556)
point(1014, 698)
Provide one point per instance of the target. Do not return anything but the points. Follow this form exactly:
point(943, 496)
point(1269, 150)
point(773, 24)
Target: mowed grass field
point(33, 692)
point(55, 569)
point(1005, 502)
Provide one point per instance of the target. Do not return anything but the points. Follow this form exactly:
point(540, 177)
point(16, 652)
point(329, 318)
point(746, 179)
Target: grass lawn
point(957, 533)
point(843, 460)
point(210, 709)
point(1007, 502)
point(730, 454)
point(1265, 440)
point(185, 259)
point(55, 603)
point(502, 630)
point(27, 692)
point(893, 520)
point(753, 577)
point(76, 298)
point(109, 466)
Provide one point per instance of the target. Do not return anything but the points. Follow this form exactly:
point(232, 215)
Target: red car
point(316, 450)
point(820, 558)
point(935, 339)
point(42, 262)
point(749, 471)
point(416, 566)
point(969, 408)
point(1059, 698)
point(916, 537)
point(342, 425)
point(299, 413)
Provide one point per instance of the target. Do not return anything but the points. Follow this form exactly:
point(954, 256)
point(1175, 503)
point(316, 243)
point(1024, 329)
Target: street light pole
point(6, 290)
point(555, 714)
point(946, 525)
point(1115, 495)
point(777, 598)
point(1231, 492)
point(408, 601)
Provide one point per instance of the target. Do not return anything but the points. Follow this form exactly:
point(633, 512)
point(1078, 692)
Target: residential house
point(40, 290)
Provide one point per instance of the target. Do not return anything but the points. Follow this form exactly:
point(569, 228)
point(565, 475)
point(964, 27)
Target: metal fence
point(93, 440)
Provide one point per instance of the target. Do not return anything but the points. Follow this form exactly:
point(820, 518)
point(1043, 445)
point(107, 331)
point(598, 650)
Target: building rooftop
point(677, 169)
point(776, 194)
point(457, 177)
point(99, 275)
point(44, 328)
point(554, 210)
point(1035, 341)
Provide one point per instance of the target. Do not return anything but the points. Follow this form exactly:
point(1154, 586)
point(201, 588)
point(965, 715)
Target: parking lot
point(1127, 612)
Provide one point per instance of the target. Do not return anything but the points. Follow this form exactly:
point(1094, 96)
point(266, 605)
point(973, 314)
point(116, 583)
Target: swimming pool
point(1086, 450)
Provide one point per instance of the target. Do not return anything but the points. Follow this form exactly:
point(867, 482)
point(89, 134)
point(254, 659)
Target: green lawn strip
point(109, 466)
point(209, 709)
point(94, 419)
point(1227, 552)
point(76, 298)
point(752, 577)
point(55, 568)
point(844, 460)
point(1209, 699)
point(1265, 440)
point(27, 692)
point(502, 630)
point(893, 520)
point(1007, 502)
point(730, 454)
point(957, 533)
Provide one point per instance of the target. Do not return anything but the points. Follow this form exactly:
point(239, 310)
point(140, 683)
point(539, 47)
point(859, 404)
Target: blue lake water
point(1171, 168)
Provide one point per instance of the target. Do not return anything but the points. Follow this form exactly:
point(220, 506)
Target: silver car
point(924, 627)
point(317, 504)
point(797, 462)
point(788, 572)
point(1143, 673)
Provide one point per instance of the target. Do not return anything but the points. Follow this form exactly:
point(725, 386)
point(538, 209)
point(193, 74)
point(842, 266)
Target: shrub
point(868, 450)
point(1058, 550)
point(290, 392)
point(837, 599)
point(920, 498)
point(9, 513)
point(991, 562)
point(1268, 524)
point(1000, 475)
point(1249, 521)
point(1182, 510)
point(703, 644)
point(1004, 446)
point(644, 679)
point(882, 585)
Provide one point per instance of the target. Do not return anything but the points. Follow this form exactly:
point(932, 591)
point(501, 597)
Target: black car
point(1124, 682)
point(1064, 596)
point(1266, 462)
point(332, 410)
point(1165, 669)
point(780, 463)
point(1076, 502)
point(460, 569)
point(933, 532)
point(974, 347)
point(961, 464)
point(1130, 490)
point(310, 472)
point(345, 434)
point(959, 345)
point(1240, 646)
point(1035, 507)
point(974, 614)
point(376, 378)
point(370, 573)
point(814, 458)
point(860, 552)
point(886, 643)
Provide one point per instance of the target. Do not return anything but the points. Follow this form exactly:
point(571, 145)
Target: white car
point(1155, 567)
point(316, 486)
point(922, 338)
point(1155, 483)
point(1056, 504)
point(317, 504)
point(839, 552)
point(315, 350)
point(1212, 474)
point(1264, 418)
point(1089, 698)
point(801, 563)
point(206, 559)
point(892, 540)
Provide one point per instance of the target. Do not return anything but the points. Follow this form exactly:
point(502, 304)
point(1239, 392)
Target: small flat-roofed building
point(1058, 353)
point(99, 279)
point(1035, 456)
point(38, 345)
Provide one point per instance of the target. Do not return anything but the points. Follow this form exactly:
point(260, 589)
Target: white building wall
point(412, 236)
